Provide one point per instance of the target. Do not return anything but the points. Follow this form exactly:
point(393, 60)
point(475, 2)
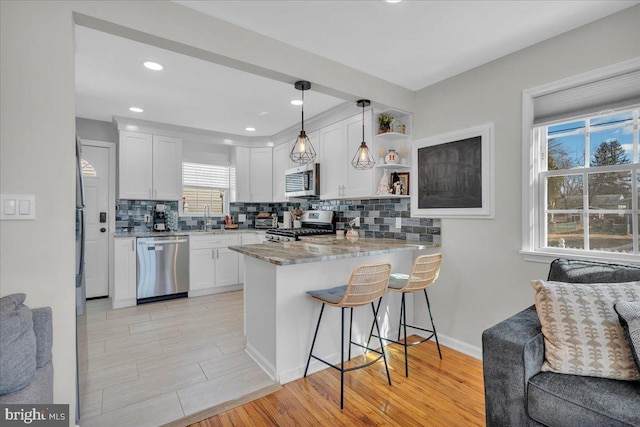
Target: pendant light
point(363, 158)
point(302, 151)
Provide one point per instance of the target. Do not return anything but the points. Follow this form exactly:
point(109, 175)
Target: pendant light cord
point(302, 110)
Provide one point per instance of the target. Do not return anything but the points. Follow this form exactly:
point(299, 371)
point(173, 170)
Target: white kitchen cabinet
point(124, 265)
point(211, 264)
point(333, 161)
point(339, 142)
point(242, 164)
point(261, 174)
point(149, 167)
point(359, 181)
point(281, 163)
point(253, 174)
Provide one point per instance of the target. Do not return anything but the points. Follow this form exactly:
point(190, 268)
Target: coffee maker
point(160, 213)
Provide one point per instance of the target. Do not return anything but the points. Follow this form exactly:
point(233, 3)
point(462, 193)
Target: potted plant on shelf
point(384, 120)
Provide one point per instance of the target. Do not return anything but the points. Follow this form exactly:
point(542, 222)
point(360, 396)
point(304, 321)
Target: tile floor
point(156, 363)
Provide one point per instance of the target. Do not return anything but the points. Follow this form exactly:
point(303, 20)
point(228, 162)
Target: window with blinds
point(204, 185)
point(582, 145)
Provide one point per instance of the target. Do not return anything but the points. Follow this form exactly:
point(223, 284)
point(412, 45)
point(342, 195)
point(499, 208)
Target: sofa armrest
point(43, 328)
point(512, 352)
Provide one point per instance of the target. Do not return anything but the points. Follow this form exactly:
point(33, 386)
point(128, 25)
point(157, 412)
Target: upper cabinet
point(338, 144)
point(281, 163)
point(149, 167)
point(253, 174)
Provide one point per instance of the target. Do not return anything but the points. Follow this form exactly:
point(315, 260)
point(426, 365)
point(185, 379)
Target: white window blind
point(613, 92)
point(204, 175)
point(204, 185)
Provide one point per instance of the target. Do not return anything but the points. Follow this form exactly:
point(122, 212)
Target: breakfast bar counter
point(279, 315)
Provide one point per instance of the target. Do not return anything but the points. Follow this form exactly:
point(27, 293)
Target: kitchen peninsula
point(280, 317)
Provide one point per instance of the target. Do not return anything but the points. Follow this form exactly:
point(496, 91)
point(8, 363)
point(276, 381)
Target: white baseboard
point(267, 367)
point(457, 345)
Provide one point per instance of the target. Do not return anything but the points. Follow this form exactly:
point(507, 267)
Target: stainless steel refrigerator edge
point(81, 292)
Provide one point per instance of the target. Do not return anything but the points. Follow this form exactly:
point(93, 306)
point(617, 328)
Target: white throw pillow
point(582, 333)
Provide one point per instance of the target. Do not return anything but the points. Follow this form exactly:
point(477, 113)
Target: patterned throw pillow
point(582, 334)
point(629, 314)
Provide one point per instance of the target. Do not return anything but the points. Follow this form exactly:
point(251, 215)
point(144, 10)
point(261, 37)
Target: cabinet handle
point(155, 193)
point(218, 253)
point(133, 245)
point(149, 193)
point(213, 256)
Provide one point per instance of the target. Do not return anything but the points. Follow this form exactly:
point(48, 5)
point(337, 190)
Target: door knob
point(102, 230)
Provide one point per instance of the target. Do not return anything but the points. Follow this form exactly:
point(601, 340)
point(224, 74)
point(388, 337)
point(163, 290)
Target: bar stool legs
point(402, 327)
point(341, 367)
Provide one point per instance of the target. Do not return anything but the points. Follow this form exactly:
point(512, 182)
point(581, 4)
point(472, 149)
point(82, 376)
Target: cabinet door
point(243, 175)
point(332, 165)
point(135, 166)
point(124, 265)
point(359, 181)
point(201, 268)
point(261, 174)
point(226, 267)
point(167, 168)
point(281, 163)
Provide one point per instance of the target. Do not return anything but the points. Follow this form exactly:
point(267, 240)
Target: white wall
point(37, 156)
point(483, 278)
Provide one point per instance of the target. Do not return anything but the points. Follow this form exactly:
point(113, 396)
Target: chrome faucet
point(207, 214)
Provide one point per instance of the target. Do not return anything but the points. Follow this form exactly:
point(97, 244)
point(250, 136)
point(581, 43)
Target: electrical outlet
point(242, 218)
point(147, 218)
point(398, 222)
point(357, 224)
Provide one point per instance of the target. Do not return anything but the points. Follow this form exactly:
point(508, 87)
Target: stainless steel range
point(313, 223)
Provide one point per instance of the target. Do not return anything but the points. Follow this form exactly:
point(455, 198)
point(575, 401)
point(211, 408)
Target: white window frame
point(227, 192)
point(533, 199)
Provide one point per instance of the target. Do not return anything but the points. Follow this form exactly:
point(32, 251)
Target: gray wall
point(96, 130)
point(484, 278)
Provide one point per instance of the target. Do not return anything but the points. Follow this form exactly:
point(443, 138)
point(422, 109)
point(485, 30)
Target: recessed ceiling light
point(250, 129)
point(153, 65)
point(136, 109)
point(393, 1)
point(296, 102)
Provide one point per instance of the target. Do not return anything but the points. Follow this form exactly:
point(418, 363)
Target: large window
point(588, 184)
point(581, 173)
point(204, 185)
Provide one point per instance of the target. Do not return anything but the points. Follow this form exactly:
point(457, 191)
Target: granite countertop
point(324, 248)
point(184, 233)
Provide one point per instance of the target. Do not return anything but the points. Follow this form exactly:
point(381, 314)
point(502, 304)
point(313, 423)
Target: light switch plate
point(17, 206)
point(398, 222)
point(242, 218)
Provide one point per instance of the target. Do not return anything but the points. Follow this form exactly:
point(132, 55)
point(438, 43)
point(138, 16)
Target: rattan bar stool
point(424, 272)
point(367, 283)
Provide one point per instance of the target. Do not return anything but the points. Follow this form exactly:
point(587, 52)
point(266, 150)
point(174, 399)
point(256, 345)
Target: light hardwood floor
point(447, 392)
point(157, 363)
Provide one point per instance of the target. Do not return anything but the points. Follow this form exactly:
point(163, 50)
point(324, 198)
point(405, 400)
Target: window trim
point(531, 250)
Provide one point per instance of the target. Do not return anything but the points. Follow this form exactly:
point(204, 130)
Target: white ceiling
point(412, 44)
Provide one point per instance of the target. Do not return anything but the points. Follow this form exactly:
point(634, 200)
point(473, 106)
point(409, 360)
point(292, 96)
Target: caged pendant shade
point(302, 151)
point(363, 158)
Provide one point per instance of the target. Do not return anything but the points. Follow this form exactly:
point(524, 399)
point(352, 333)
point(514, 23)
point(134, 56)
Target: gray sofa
point(26, 337)
point(517, 393)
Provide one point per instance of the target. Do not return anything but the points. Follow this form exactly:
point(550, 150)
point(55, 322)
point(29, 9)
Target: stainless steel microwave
point(302, 181)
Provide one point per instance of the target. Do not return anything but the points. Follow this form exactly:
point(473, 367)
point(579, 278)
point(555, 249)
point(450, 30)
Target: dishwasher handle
point(162, 242)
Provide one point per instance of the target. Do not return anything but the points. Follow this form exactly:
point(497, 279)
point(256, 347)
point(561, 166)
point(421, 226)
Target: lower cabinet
point(211, 264)
point(124, 265)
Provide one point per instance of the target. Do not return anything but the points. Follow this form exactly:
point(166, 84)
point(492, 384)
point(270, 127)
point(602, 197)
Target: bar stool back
point(368, 283)
point(424, 272)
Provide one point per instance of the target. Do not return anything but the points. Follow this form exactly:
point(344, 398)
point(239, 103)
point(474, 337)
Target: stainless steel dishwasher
point(163, 268)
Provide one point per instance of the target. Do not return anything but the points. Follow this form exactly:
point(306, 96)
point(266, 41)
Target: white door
point(96, 183)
